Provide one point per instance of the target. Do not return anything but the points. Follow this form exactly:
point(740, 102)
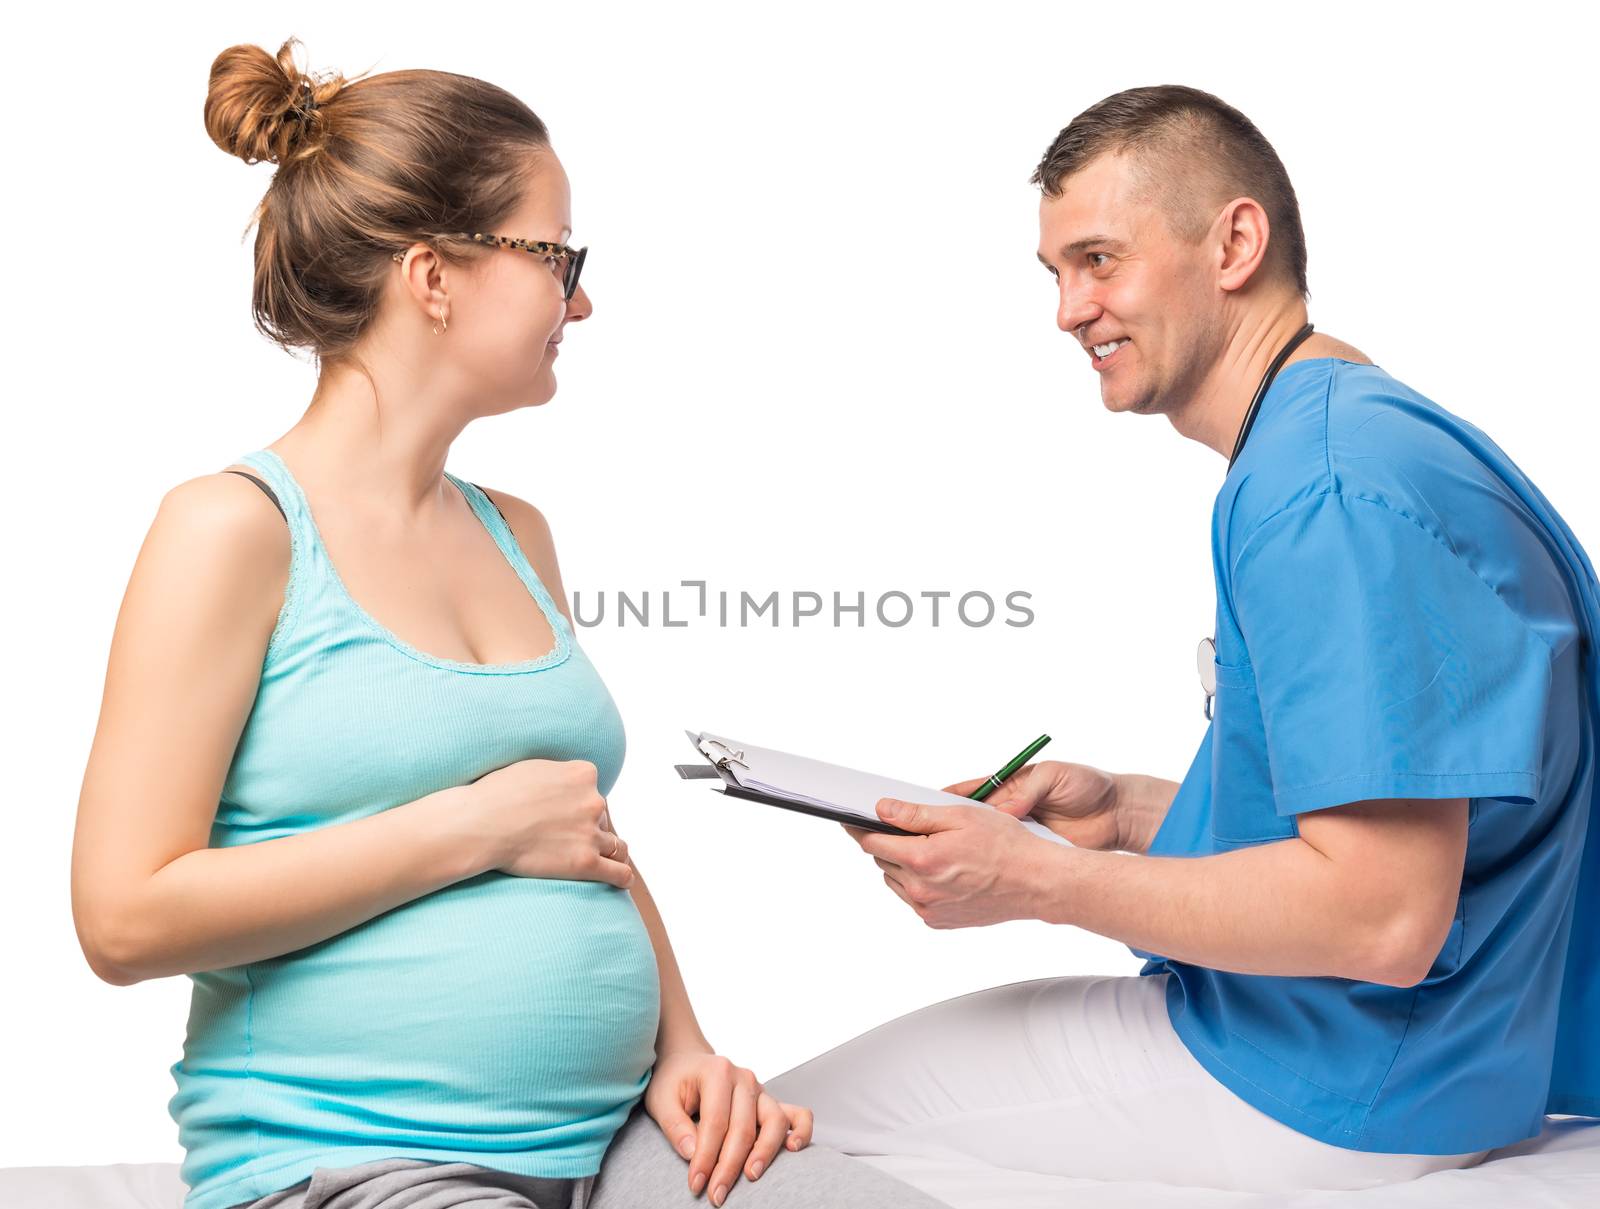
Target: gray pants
point(640, 1170)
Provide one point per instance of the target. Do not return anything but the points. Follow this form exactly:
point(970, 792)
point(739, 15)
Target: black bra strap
point(271, 495)
point(490, 498)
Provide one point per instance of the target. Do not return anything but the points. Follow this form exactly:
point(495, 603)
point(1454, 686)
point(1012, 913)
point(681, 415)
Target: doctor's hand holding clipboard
point(967, 866)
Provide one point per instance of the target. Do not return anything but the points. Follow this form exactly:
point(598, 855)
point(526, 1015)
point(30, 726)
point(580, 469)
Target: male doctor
point(1370, 913)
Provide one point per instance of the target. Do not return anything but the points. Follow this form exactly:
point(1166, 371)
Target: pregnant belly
point(500, 1012)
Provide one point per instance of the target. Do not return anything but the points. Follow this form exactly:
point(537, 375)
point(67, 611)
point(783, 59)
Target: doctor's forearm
point(1142, 804)
point(1280, 908)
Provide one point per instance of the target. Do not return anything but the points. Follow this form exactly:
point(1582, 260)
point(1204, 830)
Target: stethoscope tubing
point(1207, 653)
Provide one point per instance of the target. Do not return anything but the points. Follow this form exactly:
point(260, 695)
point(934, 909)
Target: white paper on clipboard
point(783, 774)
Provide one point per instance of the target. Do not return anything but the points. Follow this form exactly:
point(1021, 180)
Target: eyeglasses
point(572, 258)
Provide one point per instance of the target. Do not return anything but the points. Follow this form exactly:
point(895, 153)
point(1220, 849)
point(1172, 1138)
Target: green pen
point(1016, 762)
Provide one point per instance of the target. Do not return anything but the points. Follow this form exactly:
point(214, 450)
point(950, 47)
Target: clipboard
point(722, 755)
point(815, 787)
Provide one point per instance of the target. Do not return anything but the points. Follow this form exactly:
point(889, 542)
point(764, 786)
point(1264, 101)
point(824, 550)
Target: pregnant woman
point(351, 763)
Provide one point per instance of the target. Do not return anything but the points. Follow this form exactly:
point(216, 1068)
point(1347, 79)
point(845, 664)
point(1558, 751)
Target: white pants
point(1068, 1076)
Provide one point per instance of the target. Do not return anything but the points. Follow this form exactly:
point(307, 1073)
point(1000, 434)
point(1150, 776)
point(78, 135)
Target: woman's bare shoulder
point(223, 509)
point(217, 536)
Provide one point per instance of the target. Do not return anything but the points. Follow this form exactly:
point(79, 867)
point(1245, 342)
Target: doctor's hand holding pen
point(1076, 801)
point(1091, 808)
point(1085, 806)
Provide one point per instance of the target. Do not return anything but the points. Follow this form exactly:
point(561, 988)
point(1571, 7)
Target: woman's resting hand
point(546, 818)
point(739, 1124)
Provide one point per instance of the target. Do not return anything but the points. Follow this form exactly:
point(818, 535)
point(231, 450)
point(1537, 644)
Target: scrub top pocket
point(1242, 807)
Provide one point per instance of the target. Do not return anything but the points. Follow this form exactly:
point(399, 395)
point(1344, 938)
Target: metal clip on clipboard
point(721, 757)
point(729, 755)
point(718, 765)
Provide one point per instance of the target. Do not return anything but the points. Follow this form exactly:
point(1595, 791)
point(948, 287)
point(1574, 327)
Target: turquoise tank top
point(503, 1021)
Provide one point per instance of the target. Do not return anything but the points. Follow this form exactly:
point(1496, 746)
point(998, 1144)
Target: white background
point(822, 357)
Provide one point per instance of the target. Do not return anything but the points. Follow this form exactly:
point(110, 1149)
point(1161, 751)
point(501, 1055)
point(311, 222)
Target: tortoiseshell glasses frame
point(573, 257)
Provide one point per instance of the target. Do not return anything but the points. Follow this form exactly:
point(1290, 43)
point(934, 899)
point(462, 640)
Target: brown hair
point(366, 168)
point(1193, 152)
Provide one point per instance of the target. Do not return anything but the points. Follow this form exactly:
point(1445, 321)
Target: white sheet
point(1560, 1169)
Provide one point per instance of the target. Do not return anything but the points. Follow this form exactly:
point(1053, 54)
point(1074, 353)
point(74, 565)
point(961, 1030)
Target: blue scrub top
point(1401, 614)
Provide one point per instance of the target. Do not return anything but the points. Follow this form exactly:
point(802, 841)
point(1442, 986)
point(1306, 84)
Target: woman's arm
point(739, 1124)
point(715, 1114)
point(679, 1031)
point(149, 897)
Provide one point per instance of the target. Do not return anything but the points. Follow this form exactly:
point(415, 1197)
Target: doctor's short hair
point(1194, 153)
point(365, 168)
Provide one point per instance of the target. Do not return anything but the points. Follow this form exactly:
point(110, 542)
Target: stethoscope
point(1206, 656)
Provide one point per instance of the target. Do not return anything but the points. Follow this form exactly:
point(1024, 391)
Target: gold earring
point(445, 320)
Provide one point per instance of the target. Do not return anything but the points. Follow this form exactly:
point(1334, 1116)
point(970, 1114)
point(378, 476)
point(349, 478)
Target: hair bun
point(263, 107)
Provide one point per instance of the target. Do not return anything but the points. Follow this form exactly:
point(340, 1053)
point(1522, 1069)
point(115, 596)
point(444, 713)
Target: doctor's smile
point(1104, 353)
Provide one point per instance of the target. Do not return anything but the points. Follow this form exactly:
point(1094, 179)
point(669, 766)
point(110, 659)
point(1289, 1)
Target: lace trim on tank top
point(489, 516)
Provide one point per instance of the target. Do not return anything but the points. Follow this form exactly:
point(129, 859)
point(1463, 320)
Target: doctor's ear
point(1242, 234)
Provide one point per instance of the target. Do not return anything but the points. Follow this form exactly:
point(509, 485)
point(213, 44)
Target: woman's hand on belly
point(739, 1123)
point(545, 818)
